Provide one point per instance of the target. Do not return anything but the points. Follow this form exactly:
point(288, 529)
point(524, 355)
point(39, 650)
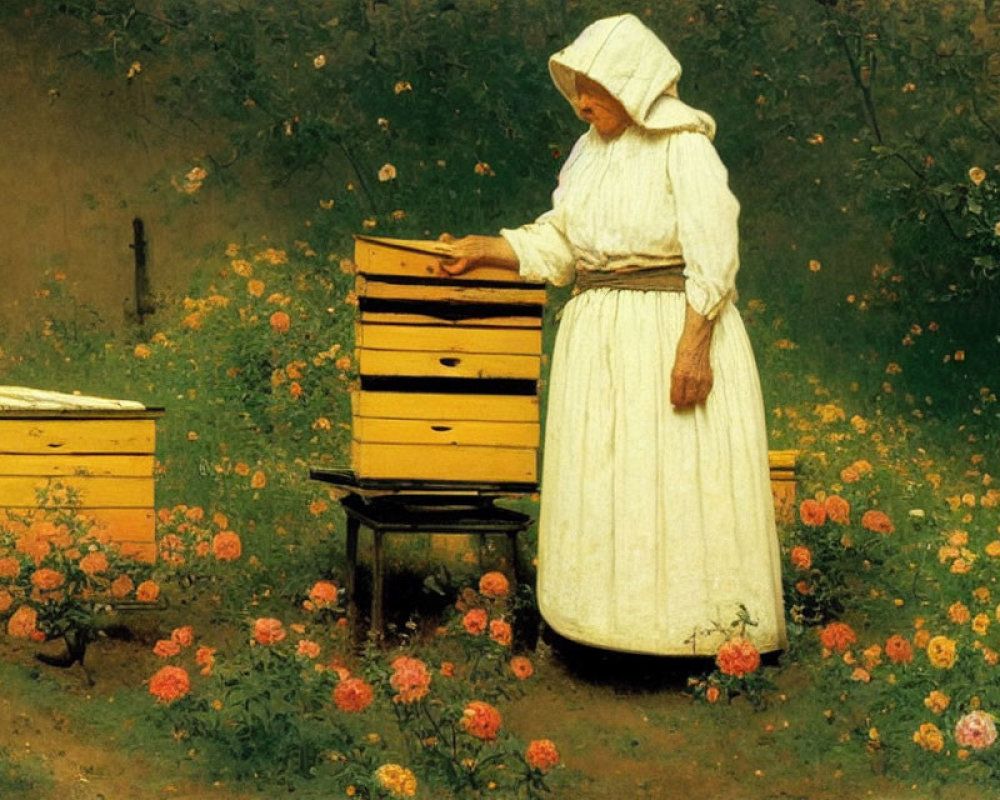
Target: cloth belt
point(642, 279)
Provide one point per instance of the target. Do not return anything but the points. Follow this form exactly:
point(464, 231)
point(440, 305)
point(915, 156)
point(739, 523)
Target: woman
point(657, 520)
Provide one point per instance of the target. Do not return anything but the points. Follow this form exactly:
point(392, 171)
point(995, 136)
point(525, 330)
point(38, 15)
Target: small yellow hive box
point(449, 368)
point(101, 449)
point(782, 464)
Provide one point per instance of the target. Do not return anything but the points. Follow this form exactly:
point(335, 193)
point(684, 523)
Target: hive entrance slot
point(501, 386)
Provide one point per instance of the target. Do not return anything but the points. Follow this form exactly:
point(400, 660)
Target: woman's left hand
point(691, 377)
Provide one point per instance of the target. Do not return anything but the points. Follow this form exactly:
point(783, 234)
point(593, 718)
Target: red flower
point(898, 649)
point(353, 695)
point(475, 621)
point(500, 632)
point(837, 509)
point(410, 678)
point(494, 585)
point(837, 636)
point(812, 513)
point(169, 684)
point(738, 657)
point(481, 720)
point(542, 755)
point(268, 631)
point(226, 546)
point(877, 521)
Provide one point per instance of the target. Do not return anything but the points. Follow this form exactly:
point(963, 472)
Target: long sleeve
point(707, 221)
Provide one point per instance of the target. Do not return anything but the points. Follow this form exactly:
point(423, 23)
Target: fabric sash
point(642, 279)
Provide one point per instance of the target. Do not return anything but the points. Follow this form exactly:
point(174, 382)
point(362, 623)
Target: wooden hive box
point(449, 368)
point(106, 454)
point(783, 477)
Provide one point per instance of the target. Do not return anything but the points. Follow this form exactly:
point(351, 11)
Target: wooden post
point(143, 302)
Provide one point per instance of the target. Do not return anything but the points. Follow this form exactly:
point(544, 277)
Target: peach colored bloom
point(281, 322)
point(500, 632)
point(877, 521)
point(147, 592)
point(976, 730)
point(410, 678)
point(23, 623)
point(801, 557)
point(166, 648)
point(10, 567)
point(837, 636)
point(226, 546)
point(323, 594)
point(494, 585)
point(929, 737)
point(522, 667)
point(941, 652)
point(738, 657)
point(169, 684)
point(475, 621)
point(121, 587)
point(47, 580)
point(541, 754)
point(184, 636)
point(812, 513)
point(258, 480)
point(308, 648)
point(353, 695)
point(481, 720)
point(94, 563)
point(937, 701)
point(898, 649)
point(837, 509)
point(268, 630)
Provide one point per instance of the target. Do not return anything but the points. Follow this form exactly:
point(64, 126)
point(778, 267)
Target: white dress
point(655, 524)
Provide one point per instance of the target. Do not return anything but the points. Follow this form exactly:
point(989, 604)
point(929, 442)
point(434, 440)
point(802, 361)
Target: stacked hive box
point(106, 456)
point(449, 368)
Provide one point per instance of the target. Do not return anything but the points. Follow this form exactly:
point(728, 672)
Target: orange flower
point(226, 546)
point(500, 632)
point(10, 567)
point(801, 557)
point(204, 657)
point(837, 636)
point(122, 587)
point(47, 580)
point(521, 667)
point(410, 678)
point(165, 648)
point(147, 592)
point(281, 322)
point(481, 720)
point(221, 520)
point(877, 521)
point(980, 624)
point(959, 613)
point(542, 755)
point(258, 480)
point(929, 737)
point(937, 701)
point(94, 563)
point(267, 630)
point(323, 594)
point(6, 601)
point(475, 621)
point(494, 585)
point(898, 649)
point(921, 638)
point(172, 549)
point(241, 468)
point(255, 287)
point(23, 623)
point(738, 657)
point(447, 669)
point(837, 509)
point(812, 513)
point(184, 636)
point(169, 684)
point(803, 587)
point(353, 695)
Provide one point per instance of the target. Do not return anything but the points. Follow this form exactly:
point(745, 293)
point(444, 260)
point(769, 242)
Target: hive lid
point(431, 247)
point(18, 398)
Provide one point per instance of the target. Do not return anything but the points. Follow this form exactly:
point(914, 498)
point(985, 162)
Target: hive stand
point(409, 507)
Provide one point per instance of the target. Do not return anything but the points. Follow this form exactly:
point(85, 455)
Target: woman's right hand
point(471, 251)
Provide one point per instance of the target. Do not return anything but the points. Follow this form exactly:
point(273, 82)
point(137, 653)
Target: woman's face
point(594, 104)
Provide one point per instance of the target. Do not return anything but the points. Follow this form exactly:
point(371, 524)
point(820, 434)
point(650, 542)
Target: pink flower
point(976, 730)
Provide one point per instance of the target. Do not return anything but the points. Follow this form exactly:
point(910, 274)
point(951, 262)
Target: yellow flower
point(937, 701)
point(977, 175)
point(134, 69)
point(829, 413)
point(814, 265)
point(482, 168)
point(387, 173)
point(402, 86)
point(929, 737)
point(142, 351)
point(396, 780)
point(980, 624)
point(941, 652)
point(816, 138)
point(320, 61)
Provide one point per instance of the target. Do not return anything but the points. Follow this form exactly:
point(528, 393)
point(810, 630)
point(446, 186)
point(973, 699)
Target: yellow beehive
point(782, 464)
point(104, 455)
point(449, 368)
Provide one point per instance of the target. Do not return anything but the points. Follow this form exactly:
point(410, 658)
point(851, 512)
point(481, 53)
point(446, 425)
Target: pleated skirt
point(656, 525)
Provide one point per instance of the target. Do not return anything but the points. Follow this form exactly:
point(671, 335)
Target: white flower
point(320, 61)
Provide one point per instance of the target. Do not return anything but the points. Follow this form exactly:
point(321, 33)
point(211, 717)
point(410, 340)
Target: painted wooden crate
point(106, 456)
point(449, 368)
point(783, 481)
